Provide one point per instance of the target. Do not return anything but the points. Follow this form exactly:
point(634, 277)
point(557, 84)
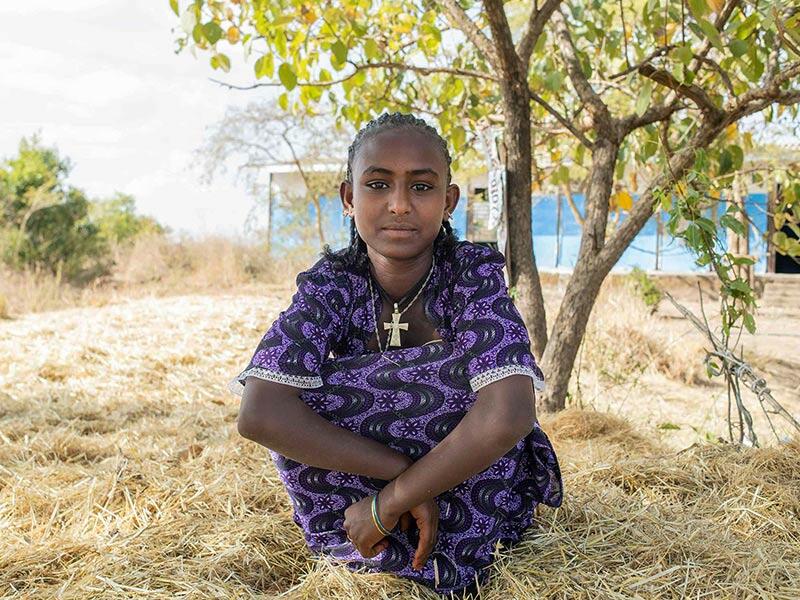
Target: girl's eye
point(421, 187)
point(377, 185)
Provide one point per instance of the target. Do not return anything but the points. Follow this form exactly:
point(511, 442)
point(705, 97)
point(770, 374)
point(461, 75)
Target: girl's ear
point(452, 196)
point(346, 195)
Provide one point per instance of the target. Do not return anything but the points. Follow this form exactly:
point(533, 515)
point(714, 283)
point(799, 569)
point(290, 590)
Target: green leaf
point(668, 426)
point(339, 51)
point(692, 235)
point(707, 225)
point(283, 101)
point(737, 157)
point(749, 323)
point(711, 33)
point(220, 61)
point(173, 4)
point(725, 162)
point(197, 34)
point(265, 66)
point(738, 47)
point(733, 224)
point(643, 99)
point(740, 286)
point(684, 54)
point(212, 32)
point(371, 49)
point(280, 44)
point(553, 80)
point(698, 8)
point(287, 76)
point(458, 136)
point(747, 26)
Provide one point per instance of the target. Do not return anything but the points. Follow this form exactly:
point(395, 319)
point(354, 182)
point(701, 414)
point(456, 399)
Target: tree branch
point(695, 93)
point(597, 108)
point(643, 209)
point(561, 119)
point(710, 127)
point(536, 22)
point(460, 19)
point(654, 114)
point(364, 67)
point(509, 61)
point(658, 52)
point(719, 24)
point(720, 71)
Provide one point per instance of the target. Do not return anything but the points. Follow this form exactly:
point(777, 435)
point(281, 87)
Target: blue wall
point(674, 256)
point(548, 243)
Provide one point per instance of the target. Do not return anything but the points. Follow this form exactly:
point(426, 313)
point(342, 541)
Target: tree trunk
point(584, 284)
point(524, 275)
point(597, 256)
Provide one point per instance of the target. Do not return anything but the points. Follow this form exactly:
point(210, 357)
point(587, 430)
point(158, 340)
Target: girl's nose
point(399, 203)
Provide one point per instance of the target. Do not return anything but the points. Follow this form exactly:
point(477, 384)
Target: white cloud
point(100, 80)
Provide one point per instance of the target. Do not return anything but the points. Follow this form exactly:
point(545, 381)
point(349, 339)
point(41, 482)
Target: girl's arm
point(502, 415)
point(273, 415)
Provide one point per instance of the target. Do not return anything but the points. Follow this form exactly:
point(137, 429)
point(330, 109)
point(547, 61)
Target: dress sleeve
point(488, 327)
point(300, 339)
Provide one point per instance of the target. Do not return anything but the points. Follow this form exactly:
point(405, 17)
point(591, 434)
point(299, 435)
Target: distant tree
point(49, 225)
point(45, 222)
point(118, 222)
point(263, 136)
point(598, 84)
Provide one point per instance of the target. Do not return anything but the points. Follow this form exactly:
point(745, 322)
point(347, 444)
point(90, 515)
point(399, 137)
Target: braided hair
point(354, 255)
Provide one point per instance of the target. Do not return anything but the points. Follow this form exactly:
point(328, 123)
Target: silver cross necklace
point(395, 326)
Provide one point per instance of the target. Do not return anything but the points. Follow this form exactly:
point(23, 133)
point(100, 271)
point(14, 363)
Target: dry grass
point(155, 266)
point(121, 475)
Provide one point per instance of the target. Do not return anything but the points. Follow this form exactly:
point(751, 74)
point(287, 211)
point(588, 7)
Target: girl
point(396, 393)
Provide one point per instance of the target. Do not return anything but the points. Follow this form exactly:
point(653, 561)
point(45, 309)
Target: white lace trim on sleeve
point(483, 379)
point(236, 385)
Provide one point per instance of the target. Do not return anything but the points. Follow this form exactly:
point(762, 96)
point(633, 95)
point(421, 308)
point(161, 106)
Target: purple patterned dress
point(410, 399)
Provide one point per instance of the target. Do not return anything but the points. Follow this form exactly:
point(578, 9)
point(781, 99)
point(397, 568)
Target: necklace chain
point(396, 311)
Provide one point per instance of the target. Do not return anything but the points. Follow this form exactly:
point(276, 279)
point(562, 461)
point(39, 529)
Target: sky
point(100, 80)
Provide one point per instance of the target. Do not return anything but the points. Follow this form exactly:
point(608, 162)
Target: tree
point(47, 224)
point(117, 221)
point(44, 222)
point(263, 135)
point(595, 84)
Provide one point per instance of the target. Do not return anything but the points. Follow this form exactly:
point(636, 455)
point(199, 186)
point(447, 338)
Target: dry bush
point(33, 291)
point(623, 339)
point(155, 265)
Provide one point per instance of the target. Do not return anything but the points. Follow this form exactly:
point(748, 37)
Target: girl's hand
point(361, 529)
point(426, 516)
point(364, 535)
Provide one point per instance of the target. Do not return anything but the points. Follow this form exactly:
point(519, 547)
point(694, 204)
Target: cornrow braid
point(387, 122)
point(354, 256)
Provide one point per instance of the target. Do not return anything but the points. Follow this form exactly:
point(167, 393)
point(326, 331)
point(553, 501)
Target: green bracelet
point(376, 519)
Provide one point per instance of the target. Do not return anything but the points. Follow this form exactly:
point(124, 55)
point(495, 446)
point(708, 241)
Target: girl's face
point(399, 194)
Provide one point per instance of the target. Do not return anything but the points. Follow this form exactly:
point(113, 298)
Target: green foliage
point(645, 287)
point(46, 224)
point(689, 200)
point(117, 221)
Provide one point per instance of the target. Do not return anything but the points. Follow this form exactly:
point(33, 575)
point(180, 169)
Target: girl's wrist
point(389, 516)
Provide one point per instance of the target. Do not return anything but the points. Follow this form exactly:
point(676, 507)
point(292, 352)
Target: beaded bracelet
point(376, 519)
